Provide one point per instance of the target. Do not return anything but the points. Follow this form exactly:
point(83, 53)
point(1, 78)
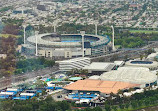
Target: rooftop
point(137, 75)
point(100, 66)
point(99, 85)
point(75, 59)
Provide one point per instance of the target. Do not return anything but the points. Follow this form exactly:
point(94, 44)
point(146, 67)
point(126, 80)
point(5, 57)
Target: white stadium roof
point(100, 66)
point(153, 64)
point(137, 75)
point(74, 60)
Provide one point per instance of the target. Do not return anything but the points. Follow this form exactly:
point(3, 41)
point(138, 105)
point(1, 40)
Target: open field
point(143, 31)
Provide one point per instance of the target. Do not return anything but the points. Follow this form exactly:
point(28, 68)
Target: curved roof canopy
point(137, 75)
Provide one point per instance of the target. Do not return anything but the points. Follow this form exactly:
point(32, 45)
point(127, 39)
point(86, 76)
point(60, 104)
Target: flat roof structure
point(119, 63)
point(99, 85)
point(136, 75)
point(27, 94)
point(75, 78)
point(100, 66)
point(6, 93)
point(12, 89)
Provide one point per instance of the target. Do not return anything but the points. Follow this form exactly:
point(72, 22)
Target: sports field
point(143, 31)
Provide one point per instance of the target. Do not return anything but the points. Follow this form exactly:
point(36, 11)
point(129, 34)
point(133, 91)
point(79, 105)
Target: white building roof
point(119, 63)
point(100, 66)
point(27, 94)
point(12, 89)
point(6, 93)
point(94, 77)
point(74, 60)
point(137, 75)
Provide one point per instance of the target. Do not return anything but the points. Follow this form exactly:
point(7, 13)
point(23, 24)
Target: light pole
point(82, 34)
point(36, 35)
point(96, 28)
point(24, 26)
point(55, 24)
point(113, 44)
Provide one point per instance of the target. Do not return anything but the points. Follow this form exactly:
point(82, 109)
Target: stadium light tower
point(96, 28)
point(55, 24)
point(24, 26)
point(82, 34)
point(22, 12)
point(113, 39)
point(36, 34)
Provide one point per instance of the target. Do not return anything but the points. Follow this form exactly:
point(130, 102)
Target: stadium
point(68, 45)
point(152, 65)
point(135, 75)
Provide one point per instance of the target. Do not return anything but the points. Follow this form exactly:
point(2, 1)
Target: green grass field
point(143, 31)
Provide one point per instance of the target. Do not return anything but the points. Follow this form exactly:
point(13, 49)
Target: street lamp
point(82, 34)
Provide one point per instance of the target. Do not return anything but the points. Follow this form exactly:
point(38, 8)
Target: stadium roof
point(99, 85)
point(41, 41)
point(137, 75)
point(74, 60)
point(141, 63)
point(100, 66)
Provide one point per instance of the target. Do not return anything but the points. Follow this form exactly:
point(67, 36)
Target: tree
point(107, 107)
point(40, 84)
point(97, 109)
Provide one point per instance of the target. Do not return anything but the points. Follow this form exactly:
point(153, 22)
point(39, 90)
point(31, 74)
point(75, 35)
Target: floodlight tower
point(96, 28)
point(55, 24)
point(24, 26)
point(22, 11)
point(113, 39)
point(82, 34)
point(36, 34)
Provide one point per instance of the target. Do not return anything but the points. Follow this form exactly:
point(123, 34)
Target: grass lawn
point(7, 35)
point(143, 31)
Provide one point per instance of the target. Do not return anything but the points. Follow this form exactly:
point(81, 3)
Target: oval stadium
point(152, 65)
point(67, 45)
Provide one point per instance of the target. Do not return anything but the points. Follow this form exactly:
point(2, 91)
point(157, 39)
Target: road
point(6, 82)
point(130, 52)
